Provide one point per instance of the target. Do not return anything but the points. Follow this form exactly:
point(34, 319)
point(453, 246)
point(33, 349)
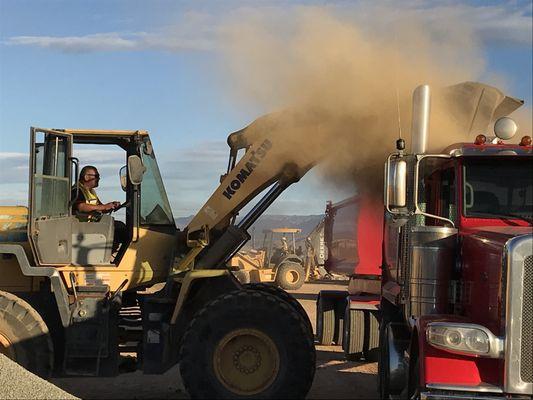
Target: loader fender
point(165, 318)
point(27, 269)
point(193, 282)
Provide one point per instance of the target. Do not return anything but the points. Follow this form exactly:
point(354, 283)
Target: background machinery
point(278, 260)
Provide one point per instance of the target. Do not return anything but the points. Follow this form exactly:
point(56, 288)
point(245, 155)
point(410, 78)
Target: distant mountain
point(304, 222)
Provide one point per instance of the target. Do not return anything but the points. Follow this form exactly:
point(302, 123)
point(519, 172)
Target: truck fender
point(394, 341)
point(60, 292)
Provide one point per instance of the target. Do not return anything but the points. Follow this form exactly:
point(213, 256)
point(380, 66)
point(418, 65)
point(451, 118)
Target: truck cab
point(456, 271)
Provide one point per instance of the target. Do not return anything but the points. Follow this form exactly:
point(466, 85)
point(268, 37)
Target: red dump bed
point(353, 234)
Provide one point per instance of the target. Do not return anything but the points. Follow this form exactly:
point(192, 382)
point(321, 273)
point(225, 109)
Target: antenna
point(400, 143)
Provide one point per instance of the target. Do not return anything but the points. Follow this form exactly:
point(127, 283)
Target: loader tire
point(290, 276)
point(282, 294)
point(247, 344)
point(24, 337)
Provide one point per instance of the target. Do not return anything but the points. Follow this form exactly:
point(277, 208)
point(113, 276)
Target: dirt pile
point(18, 383)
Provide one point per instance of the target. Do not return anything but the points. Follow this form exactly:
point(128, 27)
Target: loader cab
point(279, 243)
point(58, 238)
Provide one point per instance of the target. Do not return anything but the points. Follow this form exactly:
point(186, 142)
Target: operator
point(85, 203)
point(284, 245)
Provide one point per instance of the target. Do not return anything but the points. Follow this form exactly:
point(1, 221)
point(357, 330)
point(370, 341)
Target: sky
point(161, 66)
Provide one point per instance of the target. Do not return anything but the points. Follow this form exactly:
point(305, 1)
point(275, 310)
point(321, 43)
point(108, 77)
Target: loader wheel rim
point(292, 276)
point(6, 347)
point(246, 361)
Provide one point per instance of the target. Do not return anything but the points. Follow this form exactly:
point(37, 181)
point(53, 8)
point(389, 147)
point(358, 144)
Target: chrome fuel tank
point(432, 254)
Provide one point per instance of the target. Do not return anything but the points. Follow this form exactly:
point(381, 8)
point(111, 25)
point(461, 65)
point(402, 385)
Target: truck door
point(49, 228)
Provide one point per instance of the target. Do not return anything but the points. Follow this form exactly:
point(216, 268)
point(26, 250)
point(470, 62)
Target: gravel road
point(335, 377)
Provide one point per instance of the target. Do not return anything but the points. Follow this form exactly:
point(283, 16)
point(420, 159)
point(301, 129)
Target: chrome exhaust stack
point(420, 119)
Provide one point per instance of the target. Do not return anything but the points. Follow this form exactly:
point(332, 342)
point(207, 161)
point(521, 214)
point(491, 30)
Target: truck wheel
point(325, 320)
point(354, 334)
point(371, 351)
point(24, 337)
point(279, 292)
point(330, 317)
point(290, 276)
point(247, 344)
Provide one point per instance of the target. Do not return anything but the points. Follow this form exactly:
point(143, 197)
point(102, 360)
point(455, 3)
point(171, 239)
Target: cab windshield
point(498, 188)
point(155, 208)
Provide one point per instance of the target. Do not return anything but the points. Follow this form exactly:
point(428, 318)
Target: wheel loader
point(71, 304)
point(277, 261)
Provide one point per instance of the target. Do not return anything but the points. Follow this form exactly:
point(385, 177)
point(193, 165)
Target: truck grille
point(518, 260)
point(526, 357)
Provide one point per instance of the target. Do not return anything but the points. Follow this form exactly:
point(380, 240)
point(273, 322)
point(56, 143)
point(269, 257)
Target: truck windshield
point(496, 188)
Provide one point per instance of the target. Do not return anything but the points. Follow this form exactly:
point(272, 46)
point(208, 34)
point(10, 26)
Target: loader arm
point(271, 158)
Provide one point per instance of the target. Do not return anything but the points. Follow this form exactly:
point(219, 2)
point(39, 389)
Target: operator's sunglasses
point(95, 175)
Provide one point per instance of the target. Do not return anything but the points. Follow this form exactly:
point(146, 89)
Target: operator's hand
point(108, 207)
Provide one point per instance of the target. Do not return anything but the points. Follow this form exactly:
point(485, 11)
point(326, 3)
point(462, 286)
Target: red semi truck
point(455, 309)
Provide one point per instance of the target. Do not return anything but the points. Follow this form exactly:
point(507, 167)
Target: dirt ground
point(335, 377)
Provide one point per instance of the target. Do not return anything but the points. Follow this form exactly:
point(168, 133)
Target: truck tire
point(371, 350)
point(282, 294)
point(325, 320)
point(290, 276)
point(24, 337)
point(383, 364)
point(247, 344)
point(354, 334)
point(330, 323)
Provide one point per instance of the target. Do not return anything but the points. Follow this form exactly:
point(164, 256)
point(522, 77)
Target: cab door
point(49, 227)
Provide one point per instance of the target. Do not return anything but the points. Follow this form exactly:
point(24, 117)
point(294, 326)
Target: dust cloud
point(340, 83)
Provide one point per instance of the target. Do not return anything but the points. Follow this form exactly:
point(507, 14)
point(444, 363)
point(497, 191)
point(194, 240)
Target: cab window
point(155, 208)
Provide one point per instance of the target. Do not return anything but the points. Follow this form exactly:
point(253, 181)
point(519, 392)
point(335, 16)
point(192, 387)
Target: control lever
point(125, 204)
point(121, 286)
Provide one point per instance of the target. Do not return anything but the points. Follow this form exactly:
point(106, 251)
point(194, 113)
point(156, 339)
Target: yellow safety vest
point(90, 198)
point(89, 194)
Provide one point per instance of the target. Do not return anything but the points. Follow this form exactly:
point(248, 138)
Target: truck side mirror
point(123, 177)
point(136, 169)
point(396, 184)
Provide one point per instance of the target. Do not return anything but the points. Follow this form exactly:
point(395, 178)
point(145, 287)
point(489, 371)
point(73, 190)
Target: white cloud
point(510, 23)
point(111, 41)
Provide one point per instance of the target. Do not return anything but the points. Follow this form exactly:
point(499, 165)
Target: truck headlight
point(471, 339)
